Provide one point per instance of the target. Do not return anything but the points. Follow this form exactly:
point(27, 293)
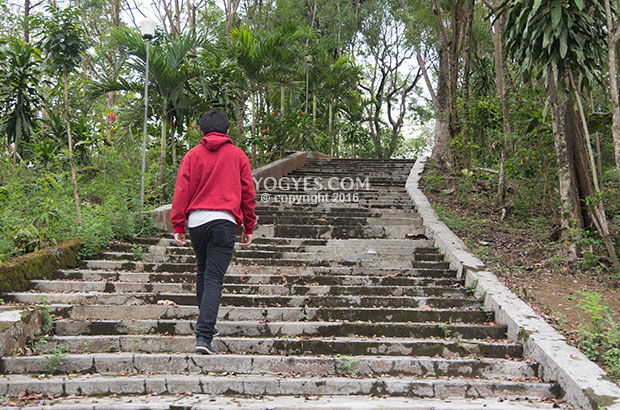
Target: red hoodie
point(214, 175)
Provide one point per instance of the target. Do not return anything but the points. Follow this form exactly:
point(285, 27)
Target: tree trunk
point(254, 158)
point(597, 208)
point(191, 13)
point(570, 217)
point(599, 165)
point(467, 36)
point(282, 113)
point(116, 13)
point(442, 121)
point(503, 91)
point(177, 17)
point(231, 10)
point(173, 146)
point(76, 194)
point(162, 156)
point(314, 113)
point(329, 130)
point(613, 37)
point(26, 22)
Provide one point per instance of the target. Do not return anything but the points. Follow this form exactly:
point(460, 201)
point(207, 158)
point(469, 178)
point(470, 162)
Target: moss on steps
point(16, 274)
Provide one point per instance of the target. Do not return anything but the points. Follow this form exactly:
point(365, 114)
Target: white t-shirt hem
point(203, 216)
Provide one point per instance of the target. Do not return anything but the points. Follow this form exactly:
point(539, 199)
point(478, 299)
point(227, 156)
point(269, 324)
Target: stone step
point(335, 271)
point(340, 231)
point(298, 402)
point(256, 385)
point(436, 269)
point(321, 220)
point(359, 366)
point(281, 314)
point(349, 346)
point(279, 258)
point(243, 300)
point(248, 328)
point(240, 278)
point(166, 239)
point(322, 252)
point(282, 289)
point(323, 207)
point(239, 269)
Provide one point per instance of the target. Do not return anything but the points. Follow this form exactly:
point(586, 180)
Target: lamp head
point(147, 28)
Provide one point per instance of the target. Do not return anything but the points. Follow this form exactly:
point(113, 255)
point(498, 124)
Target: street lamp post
point(147, 29)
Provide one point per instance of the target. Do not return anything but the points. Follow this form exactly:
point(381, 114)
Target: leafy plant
point(601, 338)
point(55, 358)
point(347, 364)
point(445, 328)
point(47, 320)
point(138, 252)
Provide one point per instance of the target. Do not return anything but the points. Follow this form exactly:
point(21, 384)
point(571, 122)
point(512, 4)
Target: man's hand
point(246, 239)
point(180, 238)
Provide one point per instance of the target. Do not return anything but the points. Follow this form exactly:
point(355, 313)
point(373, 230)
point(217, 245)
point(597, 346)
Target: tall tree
point(613, 39)
point(451, 23)
point(64, 44)
point(389, 80)
point(555, 41)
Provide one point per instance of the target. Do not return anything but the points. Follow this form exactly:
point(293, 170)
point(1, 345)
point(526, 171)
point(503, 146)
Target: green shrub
point(601, 338)
point(38, 209)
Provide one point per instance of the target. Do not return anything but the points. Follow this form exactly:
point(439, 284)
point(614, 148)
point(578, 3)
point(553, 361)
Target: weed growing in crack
point(471, 289)
point(55, 358)
point(348, 364)
point(445, 328)
point(47, 320)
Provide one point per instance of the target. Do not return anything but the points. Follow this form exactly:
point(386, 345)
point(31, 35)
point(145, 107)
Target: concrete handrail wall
point(276, 169)
point(583, 382)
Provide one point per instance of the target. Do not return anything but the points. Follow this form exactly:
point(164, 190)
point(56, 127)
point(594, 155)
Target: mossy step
point(359, 366)
point(71, 327)
point(439, 347)
point(279, 314)
point(259, 289)
point(242, 385)
point(244, 300)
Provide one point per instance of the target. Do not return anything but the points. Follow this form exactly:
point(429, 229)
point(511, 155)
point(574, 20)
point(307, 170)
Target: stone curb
point(582, 381)
point(276, 169)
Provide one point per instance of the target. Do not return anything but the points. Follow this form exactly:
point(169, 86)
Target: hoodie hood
point(214, 141)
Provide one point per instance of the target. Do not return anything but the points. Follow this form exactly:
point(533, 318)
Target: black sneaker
point(205, 347)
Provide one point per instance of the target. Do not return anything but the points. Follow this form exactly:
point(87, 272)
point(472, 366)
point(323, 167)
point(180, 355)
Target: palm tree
point(19, 94)
point(175, 76)
point(265, 59)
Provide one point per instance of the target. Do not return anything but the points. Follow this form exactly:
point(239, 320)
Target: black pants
point(213, 245)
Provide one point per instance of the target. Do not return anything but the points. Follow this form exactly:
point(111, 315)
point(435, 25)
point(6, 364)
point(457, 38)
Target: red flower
point(264, 138)
point(112, 117)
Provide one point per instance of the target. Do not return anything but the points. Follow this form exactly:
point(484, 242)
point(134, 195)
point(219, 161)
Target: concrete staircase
point(343, 303)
